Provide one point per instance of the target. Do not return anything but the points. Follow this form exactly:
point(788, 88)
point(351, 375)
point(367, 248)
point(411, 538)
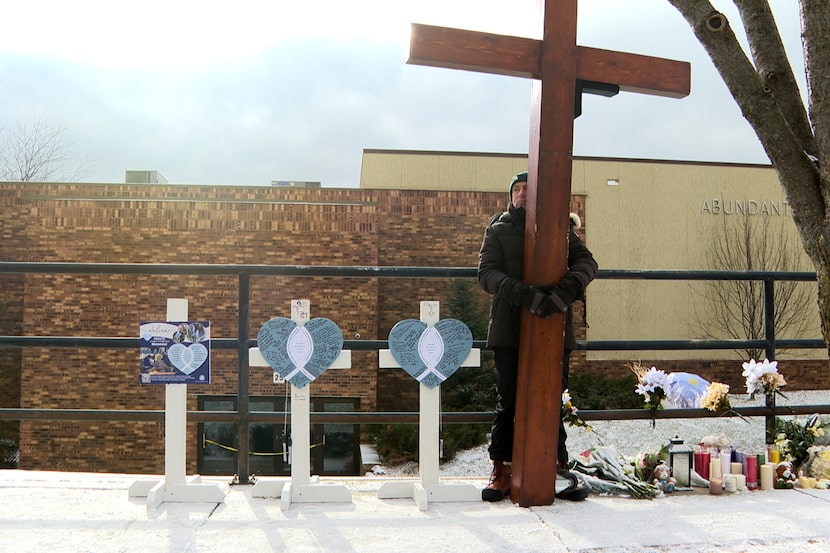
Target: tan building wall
point(639, 214)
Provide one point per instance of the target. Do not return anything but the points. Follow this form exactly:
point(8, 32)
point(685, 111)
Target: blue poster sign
point(174, 352)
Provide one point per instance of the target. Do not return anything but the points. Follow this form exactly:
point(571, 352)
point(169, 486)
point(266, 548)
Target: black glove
point(559, 299)
point(539, 303)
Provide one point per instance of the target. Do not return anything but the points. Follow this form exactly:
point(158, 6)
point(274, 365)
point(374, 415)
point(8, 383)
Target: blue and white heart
point(430, 354)
point(300, 353)
point(187, 358)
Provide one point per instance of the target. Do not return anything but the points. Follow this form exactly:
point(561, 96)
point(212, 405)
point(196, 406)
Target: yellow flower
point(772, 381)
point(716, 398)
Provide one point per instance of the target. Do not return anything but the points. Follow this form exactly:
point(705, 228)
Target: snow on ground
point(633, 437)
point(72, 512)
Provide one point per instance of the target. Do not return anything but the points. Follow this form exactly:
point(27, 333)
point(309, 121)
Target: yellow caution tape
point(266, 454)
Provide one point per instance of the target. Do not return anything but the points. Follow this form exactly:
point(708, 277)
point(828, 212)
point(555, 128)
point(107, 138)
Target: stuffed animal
point(785, 478)
point(663, 478)
point(714, 441)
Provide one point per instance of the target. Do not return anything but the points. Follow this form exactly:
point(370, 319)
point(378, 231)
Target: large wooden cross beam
point(558, 68)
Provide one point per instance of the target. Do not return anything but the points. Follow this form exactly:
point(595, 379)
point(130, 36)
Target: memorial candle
point(730, 485)
point(805, 481)
point(752, 472)
point(726, 460)
point(766, 476)
point(740, 482)
point(773, 455)
point(715, 469)
point(702, 462)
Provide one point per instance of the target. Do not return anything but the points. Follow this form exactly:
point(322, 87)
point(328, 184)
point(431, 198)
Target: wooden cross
point(558, 68)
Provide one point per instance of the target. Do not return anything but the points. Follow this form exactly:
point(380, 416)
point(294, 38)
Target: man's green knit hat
point(519, 177)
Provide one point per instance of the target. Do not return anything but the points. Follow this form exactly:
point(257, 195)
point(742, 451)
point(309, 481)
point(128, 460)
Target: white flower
point(651, 380)
point(566, 396)
point(754, 372)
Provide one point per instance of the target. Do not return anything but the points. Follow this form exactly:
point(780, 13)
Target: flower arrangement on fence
point(763, 378)
point(569, 412)
point(653, 385)
point(716, 399)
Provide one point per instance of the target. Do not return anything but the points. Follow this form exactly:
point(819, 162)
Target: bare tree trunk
point(823, 276)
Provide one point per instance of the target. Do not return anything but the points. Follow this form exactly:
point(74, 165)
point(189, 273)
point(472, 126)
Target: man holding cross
point(501, 262)
point(560, 71)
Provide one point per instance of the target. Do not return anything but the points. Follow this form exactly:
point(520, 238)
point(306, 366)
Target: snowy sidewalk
point(81, 512)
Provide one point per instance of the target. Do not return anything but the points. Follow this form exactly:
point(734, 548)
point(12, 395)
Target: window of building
point(335, 447)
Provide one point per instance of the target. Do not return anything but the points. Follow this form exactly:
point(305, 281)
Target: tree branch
point(815, 32)
point(774, 67)
point(797, 172)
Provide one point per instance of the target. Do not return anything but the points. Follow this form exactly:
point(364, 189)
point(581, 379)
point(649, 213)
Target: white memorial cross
point(302, 487)
point(176, 487)
point(429, 488)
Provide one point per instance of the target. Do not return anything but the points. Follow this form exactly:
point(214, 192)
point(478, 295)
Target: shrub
point(9, 453)
point(469, 389)
point(395, 443)
point(600, 392)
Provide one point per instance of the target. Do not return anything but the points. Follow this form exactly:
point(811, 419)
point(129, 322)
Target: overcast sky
point(248, 92)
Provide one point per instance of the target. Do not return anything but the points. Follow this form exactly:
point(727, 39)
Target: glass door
point(335, 448)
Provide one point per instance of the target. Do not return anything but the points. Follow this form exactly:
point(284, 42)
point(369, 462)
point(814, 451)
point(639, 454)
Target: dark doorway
point(335, 447)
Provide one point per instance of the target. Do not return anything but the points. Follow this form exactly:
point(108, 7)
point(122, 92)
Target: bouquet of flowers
point(601, 470)
point(818, 463)
point(569, 412)
point(795, 439)
point(763, 377)
point(716, 400)
point(644, 463)
point(652, 385)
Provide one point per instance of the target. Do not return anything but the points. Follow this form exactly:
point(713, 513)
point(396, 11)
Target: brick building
point(162, 223)
point(149, 223)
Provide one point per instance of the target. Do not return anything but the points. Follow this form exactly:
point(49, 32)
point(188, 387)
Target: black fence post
point(243, 399)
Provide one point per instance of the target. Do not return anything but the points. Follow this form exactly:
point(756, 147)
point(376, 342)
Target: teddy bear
point(663, 478)
point(784, 476)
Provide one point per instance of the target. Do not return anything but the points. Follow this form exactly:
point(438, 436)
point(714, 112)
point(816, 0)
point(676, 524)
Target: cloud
point(296, 91)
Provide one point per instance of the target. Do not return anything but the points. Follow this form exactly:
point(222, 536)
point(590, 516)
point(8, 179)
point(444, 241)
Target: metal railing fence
point(243, 416)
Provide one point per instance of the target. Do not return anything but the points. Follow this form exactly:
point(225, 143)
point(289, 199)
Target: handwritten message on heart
point(430, 354)
point(187, 358)
point(300, 353)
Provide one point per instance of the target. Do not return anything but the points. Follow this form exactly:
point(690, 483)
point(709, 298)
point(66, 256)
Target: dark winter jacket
point(500, 269)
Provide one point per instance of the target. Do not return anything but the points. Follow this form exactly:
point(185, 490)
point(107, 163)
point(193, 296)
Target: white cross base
point(175, 488)
point(301, 488)
point(429, 488)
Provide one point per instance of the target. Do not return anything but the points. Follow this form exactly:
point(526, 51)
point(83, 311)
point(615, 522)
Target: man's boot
point(499, 486)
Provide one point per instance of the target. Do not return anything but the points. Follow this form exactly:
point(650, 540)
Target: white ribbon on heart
point(300, 347)
point(431, 350)
point(187, 358)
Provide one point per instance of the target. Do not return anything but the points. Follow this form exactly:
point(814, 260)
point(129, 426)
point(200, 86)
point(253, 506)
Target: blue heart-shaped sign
point(430, 354)
point(300, 353)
